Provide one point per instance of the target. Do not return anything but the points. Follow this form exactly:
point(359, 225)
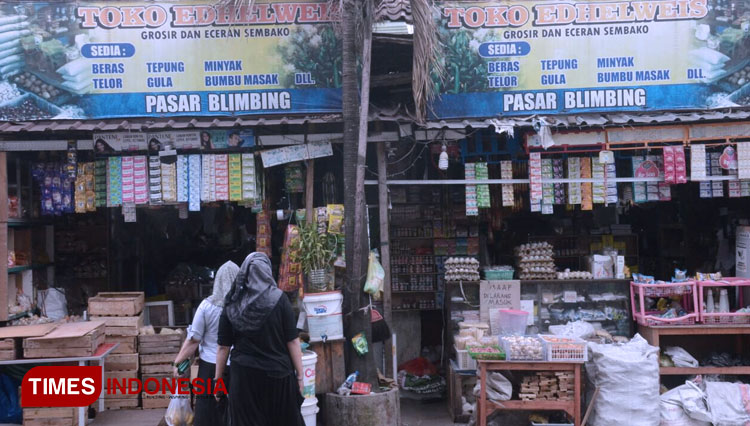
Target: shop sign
point(498, 295)
point(290, 154)
point(206, 140)
point(192, 58)
point(548, 57)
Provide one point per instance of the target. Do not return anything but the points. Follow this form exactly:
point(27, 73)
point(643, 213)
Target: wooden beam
point(385, 252)
point(309, 191)
point(3, 237)
point(393, 79)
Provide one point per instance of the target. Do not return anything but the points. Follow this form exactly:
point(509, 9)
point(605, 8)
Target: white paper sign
point(290, 154)
point(528, 306)
point(498, 295)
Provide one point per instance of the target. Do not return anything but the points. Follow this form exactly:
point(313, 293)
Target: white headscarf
point(223, 283)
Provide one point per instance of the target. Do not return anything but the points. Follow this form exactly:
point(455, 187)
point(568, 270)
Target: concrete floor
point(129, 418)
point(413, 413)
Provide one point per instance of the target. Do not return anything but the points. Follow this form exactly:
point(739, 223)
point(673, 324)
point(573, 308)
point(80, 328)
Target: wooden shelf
point(21, 268)
point(687, 371)
point(415, 273)
point(532, 405)
point(575, 282)
point(679, 330)
point(26, 223)
point(653, 334)
point(417, 310)
point(413, 292)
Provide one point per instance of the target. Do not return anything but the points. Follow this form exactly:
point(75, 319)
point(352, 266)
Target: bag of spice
point(290, 272)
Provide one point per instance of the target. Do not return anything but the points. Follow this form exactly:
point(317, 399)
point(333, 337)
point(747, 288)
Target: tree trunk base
point(376, 409)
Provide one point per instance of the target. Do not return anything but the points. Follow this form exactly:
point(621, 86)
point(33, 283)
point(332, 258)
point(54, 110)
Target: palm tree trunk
point(356, 320)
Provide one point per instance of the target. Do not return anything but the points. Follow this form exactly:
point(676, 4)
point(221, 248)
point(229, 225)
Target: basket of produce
point(498, 273)
point(490, 352)
point(564, 349)
point(522, 348)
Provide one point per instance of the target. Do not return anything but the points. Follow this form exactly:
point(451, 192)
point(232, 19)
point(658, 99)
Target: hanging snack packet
point(360, 344)
point(263, 233)
point(293, 180)
point(290, 271)
point(335, 218)
point(321, 218)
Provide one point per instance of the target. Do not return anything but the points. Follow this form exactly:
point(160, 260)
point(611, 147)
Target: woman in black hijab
point(266, 371)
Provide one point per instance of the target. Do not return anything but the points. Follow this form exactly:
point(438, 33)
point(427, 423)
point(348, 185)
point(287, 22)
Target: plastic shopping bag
point(681, 357)
point(375, 276)
point(179, 412)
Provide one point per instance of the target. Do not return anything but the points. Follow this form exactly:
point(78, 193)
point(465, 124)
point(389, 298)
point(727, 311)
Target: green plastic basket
point(497, 356)
point(498, 275)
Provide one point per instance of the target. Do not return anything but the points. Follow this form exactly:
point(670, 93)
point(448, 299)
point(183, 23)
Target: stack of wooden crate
point(73, 339)
point(547, 386)
point(77, 339)
point(157, 355)
point(122, 314)
point(50, 416)
point(11, 338)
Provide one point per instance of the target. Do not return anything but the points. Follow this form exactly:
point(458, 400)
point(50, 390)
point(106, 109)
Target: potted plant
point(314, 251)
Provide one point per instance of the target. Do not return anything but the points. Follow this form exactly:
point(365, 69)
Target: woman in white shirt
point(203, 335)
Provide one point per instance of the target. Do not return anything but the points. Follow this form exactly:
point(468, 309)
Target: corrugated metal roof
point(394, 10)
point(393, 114)
point(593, 120)
point(157, 124)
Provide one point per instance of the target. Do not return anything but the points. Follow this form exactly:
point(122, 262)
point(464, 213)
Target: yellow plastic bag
point(179, 412)
point(375, 276)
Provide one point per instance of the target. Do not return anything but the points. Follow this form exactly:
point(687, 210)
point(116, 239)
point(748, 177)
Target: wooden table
point(485, 407)
point(101, 353)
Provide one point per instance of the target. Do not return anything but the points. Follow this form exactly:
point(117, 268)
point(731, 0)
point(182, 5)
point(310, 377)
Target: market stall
point(483, 223)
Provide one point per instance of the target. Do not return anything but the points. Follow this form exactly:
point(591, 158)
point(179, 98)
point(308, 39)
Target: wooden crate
point(50, 416)
point(121, 362)
point(155, 401)
point(158, 400)
point(119, 375)
point(156, 369)
point(160, 343)
point(120, 403)
point(121, 326)
point(124, 304)
point(67, 340)
point(9, 349)
point(127, 344)
point(11, 338)
point(151, 359)
point(117, 391)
